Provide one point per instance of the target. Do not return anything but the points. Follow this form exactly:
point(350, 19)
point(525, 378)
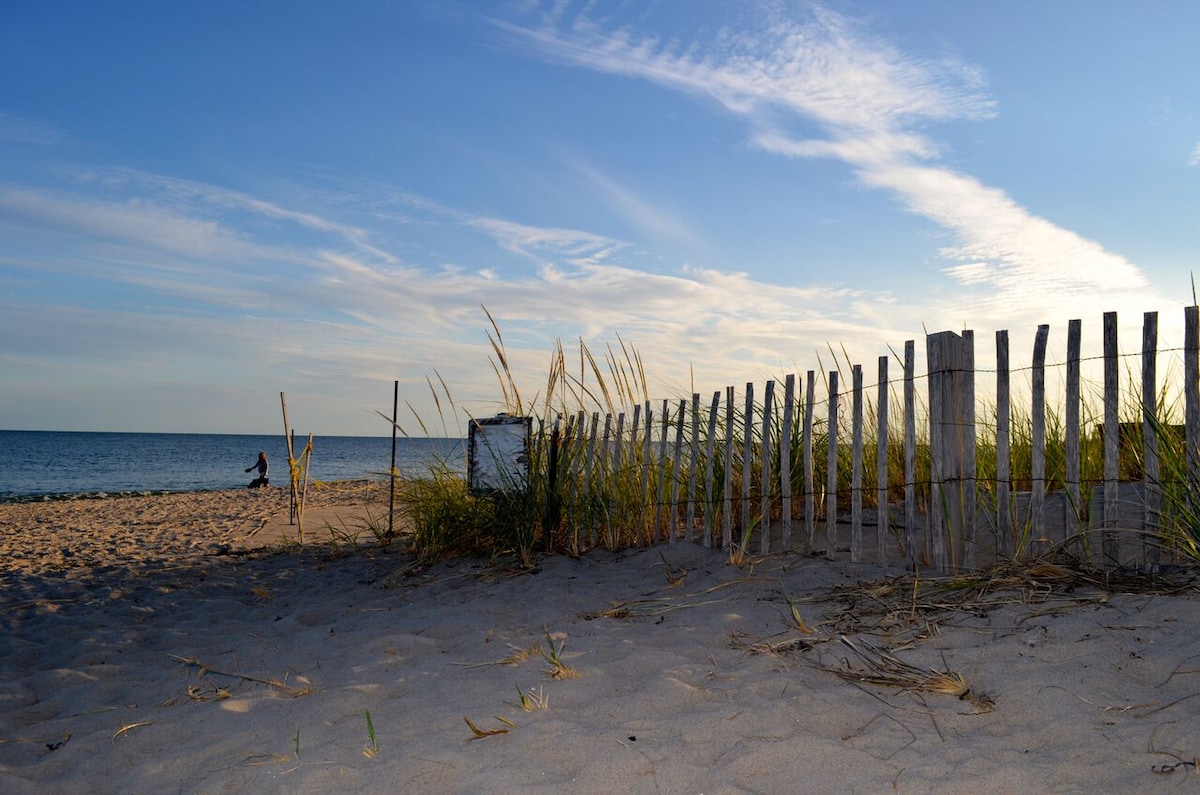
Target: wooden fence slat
point(710, 497)
point(1073, 504)
point(765, 460)
point(727, 510)
point(1004, 524)
point(969, 473)
point(607, 474)
point(810, 525)
point(881, 463)
point(856, 464)
point(673, 499)
point(1110, 542)
point(689, 521)
point(1191, 400)
point(935, 520)
point(785, 461)
point(831, 461)
point(910, 455)
point(747, 464)
point(1037, 497)
point(1151, 480)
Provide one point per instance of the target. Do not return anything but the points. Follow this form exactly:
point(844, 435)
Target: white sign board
point(498, 454)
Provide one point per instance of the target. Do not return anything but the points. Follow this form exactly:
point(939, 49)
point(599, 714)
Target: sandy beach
point(186, 644)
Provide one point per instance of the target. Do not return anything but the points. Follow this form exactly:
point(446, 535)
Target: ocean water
point(48, 464)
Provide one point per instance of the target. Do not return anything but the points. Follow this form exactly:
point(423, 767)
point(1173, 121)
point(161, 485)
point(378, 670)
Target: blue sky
point(205, 204)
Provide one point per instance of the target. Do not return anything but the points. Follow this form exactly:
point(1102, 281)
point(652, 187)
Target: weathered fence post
point(673, 499)
point(856, 464)
point(1004, 526)
point(785, 462)
point(727, 510)
point(1110, 541)
point(1073, 505)
point(881, 463)
point(910, 454)
point(969, 473)
point(765, 460)
point(747, 464)
point(1151, 479)
point(810, 523)
point(1037, 497)
point(690, 518)
point(710, 475)
point(1191, 393)
point(831, 456)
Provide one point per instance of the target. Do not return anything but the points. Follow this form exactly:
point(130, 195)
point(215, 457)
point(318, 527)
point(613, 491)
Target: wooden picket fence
point(743, 474)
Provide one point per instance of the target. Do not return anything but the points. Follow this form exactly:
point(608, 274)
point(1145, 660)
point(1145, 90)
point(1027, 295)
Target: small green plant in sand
point(372, 750)
point(532, 699)
point(552, 654)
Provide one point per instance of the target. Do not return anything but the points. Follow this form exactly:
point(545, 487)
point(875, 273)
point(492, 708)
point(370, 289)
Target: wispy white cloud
point(875, 104)
point(1194, 157)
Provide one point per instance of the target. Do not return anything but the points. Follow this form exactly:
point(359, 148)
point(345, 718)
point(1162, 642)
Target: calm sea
point(46, 464)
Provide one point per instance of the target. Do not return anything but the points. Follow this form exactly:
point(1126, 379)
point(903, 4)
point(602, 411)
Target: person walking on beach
point(263, 469)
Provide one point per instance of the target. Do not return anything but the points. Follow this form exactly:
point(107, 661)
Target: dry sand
point(177, 644)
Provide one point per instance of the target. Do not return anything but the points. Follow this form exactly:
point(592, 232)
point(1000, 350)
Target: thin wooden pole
point(881, 463)
point(747, 463)
point(391, 531)
point(969, 467)
point(1191, 392)
point(673, 507)
point(766, 460)
point(935, 517)
point(1151, 479)
point(810, 524)
point(1109, 542)
point(727, 511)
point(690, 518)
point(785, 461)
point(591, 533)
point(1073, 508)
point(831, 461)
point(856, 464)
point(1037, 497)
point(710, 474)
point(1004, 546)
point(910, 454)
point(287, 435)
